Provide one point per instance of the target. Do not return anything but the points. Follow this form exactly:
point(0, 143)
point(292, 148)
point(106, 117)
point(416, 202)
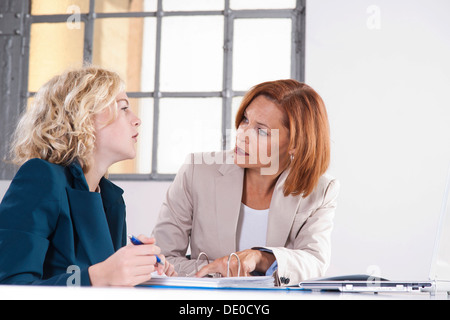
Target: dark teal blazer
point(51, 225)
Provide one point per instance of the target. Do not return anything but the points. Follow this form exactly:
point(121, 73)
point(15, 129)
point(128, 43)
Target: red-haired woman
point(269, 200)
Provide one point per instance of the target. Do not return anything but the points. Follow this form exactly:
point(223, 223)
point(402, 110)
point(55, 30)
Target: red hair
point(307, 120)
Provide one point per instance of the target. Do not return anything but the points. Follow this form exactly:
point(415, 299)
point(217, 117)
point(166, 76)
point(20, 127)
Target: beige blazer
point(202, 207)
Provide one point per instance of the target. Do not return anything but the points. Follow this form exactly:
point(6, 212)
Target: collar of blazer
point(229, 188)
point(281, 213)
point(96, 217)
point(109, 191)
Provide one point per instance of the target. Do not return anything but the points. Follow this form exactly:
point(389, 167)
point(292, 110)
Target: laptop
point(439, 277)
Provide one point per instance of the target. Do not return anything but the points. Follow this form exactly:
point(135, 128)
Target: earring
point(292, 157)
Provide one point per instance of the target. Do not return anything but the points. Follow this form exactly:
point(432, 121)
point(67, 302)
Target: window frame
point(297, 16)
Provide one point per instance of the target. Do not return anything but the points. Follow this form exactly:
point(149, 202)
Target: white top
point(252, 228)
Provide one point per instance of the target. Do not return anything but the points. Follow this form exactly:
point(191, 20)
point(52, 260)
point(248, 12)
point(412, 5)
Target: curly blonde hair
point(59, 124)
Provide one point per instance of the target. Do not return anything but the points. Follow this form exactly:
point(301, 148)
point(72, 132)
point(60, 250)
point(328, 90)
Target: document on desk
point(230, 282)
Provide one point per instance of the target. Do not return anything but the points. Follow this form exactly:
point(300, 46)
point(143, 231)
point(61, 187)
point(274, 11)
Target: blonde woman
point(61, 221)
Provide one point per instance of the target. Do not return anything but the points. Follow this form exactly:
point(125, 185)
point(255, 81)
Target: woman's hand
point(168, 269)
point(251, 260)
point(130, 265)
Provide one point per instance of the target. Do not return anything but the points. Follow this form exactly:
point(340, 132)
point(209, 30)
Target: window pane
point(185, 126)
point(30, 102)
point(262, 51)
point(48, 42)
point(262, 4)
point(145, 139)
point(119, 46)
point(39, 7)
point(193, 5)
point(148, 55)
point(192, 53)
point(236, 103)
point(143, 161)
point(113, 6)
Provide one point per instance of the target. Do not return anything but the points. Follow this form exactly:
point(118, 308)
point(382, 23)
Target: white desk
point(86, 293)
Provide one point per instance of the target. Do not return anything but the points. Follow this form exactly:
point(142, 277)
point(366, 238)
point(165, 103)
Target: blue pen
point(138, 242)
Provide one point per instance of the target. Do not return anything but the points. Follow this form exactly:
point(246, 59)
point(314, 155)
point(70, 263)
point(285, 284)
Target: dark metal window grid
point(297, 15)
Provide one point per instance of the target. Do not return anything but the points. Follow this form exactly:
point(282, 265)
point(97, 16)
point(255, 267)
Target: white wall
point(3, 187)
point(386, 91)
point(143, 200)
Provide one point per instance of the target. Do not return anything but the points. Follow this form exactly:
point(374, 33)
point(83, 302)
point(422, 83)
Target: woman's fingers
point(233, 267)
point(146, 240)
point(204, 271)
point(170, 270)
point(144, 270)
point(145, 249)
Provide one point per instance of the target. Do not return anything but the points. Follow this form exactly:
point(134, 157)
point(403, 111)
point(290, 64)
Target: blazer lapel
point(281, 214)
point(229, 188)
point(89, 219)
point(228, 203)
point(115, 212)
